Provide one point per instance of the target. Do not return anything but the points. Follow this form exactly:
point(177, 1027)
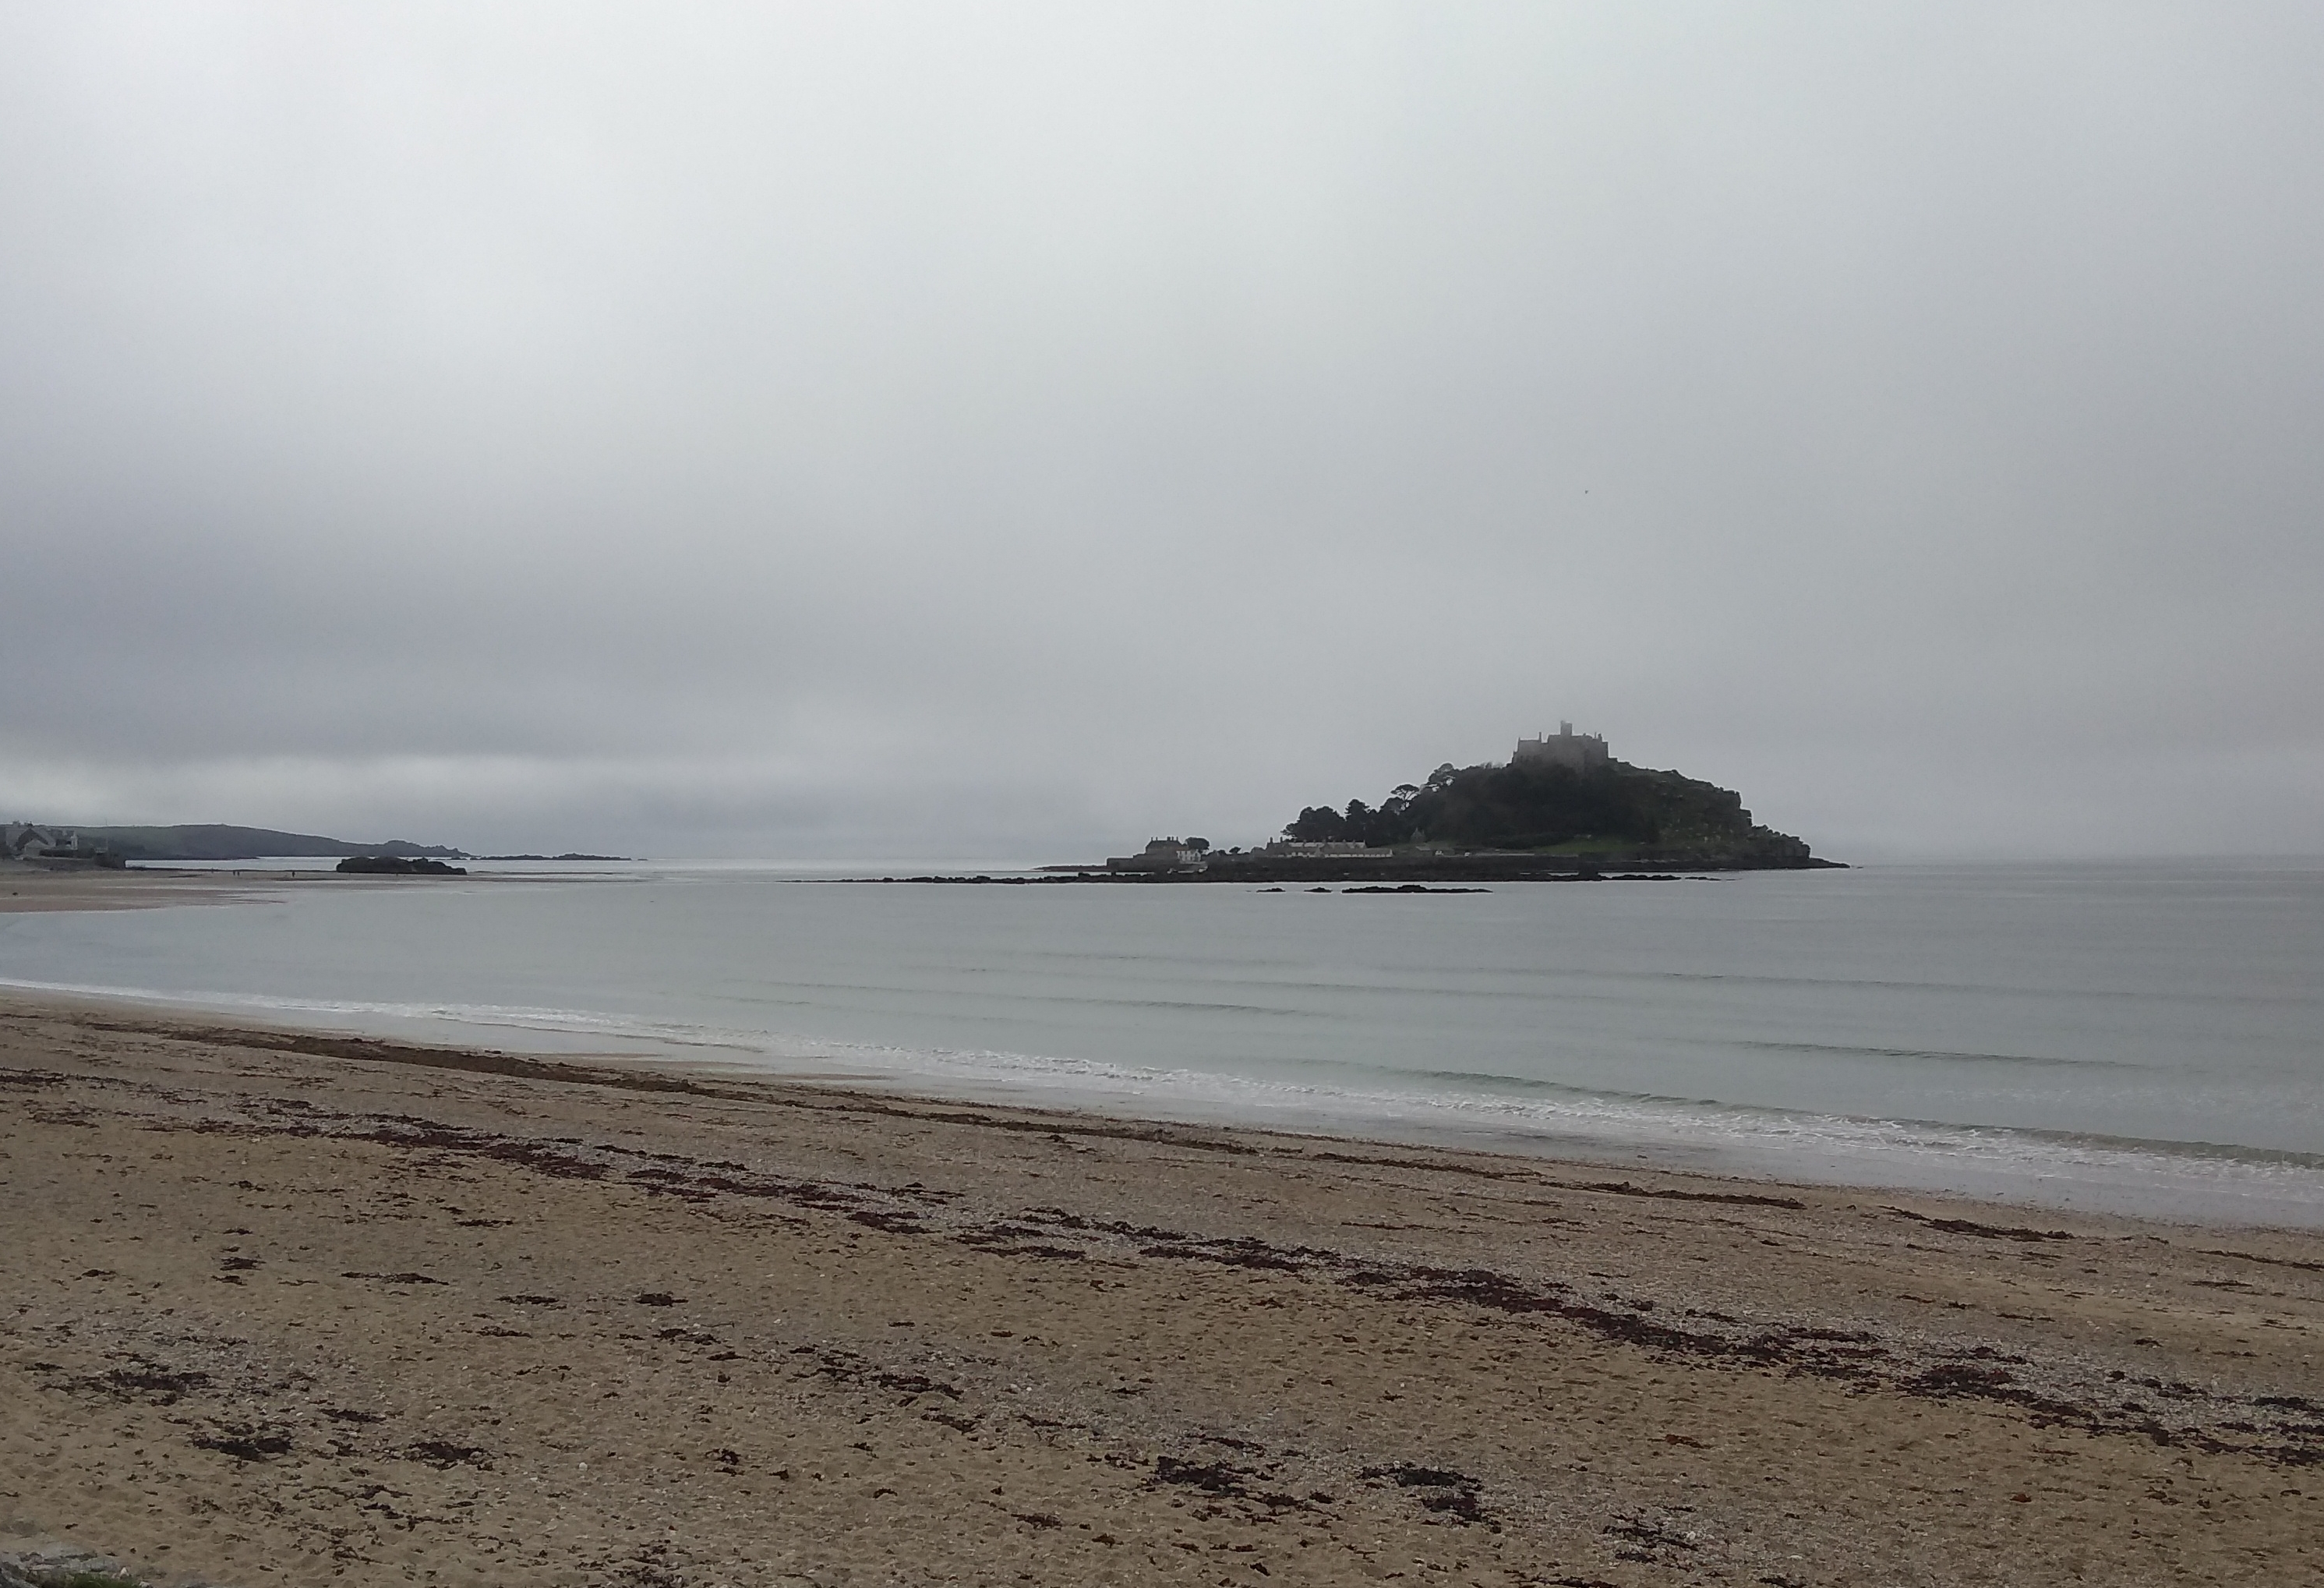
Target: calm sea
point(2144, 1037)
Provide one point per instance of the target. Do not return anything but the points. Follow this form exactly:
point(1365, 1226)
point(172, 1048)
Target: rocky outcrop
point(50, 1563)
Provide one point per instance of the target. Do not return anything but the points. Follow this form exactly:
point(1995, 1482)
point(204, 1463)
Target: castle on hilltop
point(1579, 753)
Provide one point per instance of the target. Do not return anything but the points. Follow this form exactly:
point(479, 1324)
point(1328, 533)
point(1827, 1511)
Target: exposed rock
point(400, 865)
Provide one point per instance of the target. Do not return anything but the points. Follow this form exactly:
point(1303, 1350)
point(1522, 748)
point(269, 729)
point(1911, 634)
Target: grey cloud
point(832, 429)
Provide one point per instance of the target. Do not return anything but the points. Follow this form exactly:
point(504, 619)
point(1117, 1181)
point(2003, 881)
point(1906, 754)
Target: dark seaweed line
point(1846, 1355)
point(1808, 1352)
point(491, 1062)
point(1849, 1356)
point(795, 1095)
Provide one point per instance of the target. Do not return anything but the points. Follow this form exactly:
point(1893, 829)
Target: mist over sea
point(2146, 1038)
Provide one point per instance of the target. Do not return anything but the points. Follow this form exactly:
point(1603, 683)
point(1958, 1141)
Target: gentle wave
point(1938, 1054)
point(2060, 1168)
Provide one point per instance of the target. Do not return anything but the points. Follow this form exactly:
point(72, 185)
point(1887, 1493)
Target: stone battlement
point(1579, 753)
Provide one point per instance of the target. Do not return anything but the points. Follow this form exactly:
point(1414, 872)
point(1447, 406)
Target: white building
point(1163, 855)
point(29, 841)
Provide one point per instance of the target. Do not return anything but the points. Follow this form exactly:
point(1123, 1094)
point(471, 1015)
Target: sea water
point(2146, 1038)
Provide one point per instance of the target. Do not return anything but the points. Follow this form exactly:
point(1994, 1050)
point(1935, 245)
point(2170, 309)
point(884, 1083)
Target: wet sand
point(289, 1307)
point(30, 887)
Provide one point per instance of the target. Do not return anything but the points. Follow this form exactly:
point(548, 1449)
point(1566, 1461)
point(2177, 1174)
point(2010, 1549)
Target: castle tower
point(1579, 753)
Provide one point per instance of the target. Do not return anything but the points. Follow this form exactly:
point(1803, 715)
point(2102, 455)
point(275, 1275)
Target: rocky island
point(1560, 807)
point(397, 865)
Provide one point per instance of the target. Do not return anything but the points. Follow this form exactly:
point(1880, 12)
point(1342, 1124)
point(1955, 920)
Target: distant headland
point(203, 841)
point(1561, 806)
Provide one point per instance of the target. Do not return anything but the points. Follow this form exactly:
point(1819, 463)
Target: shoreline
point(316, 1305)
point(2206, 1181)
point(30, 889)
point(2192, 1183)
point(1023, 1108)
point(37, 889)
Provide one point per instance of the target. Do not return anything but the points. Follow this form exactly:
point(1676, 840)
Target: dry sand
point(295, 1310)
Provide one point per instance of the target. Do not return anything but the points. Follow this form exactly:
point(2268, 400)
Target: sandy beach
point(291, 1308)
point(33, 887)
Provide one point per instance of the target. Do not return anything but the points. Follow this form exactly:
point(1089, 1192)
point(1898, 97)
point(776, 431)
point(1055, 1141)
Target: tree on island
point(1531, 806)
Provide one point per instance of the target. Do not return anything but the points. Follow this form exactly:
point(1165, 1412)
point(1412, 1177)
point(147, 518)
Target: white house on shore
point(32, 841)
point(1165, 854)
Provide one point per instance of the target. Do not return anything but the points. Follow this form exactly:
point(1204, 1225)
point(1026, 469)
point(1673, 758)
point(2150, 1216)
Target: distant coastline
point(217, 841)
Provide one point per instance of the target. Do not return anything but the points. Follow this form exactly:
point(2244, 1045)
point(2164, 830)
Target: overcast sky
point(1021, 430)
